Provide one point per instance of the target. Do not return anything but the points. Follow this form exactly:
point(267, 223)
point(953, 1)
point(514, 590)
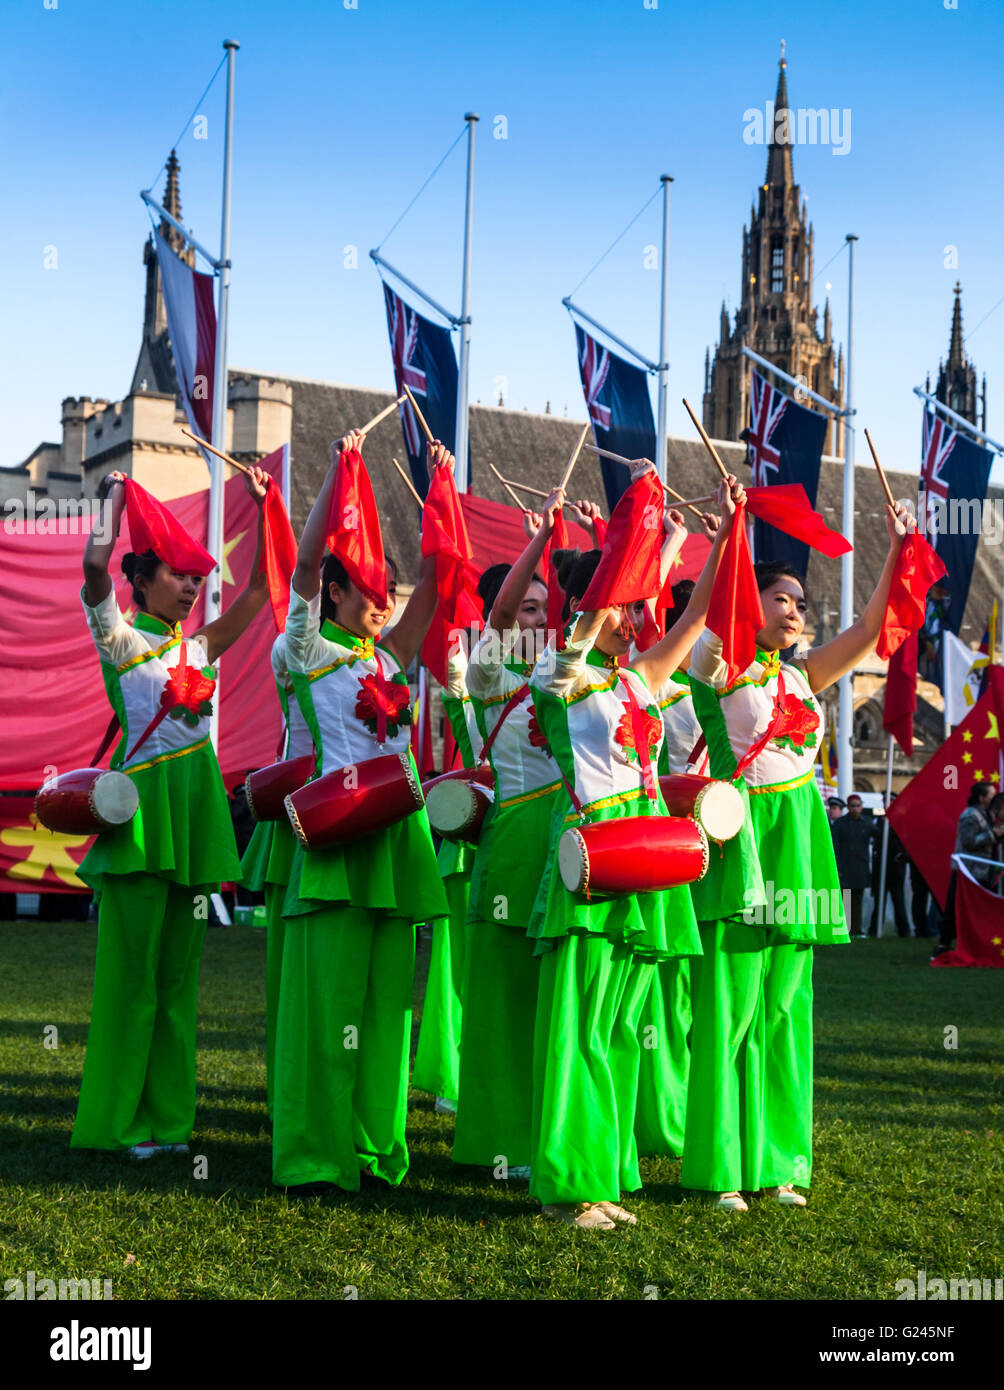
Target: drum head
point(115, 798)
point(721, 810)
point(452, 807)
point(573, 861)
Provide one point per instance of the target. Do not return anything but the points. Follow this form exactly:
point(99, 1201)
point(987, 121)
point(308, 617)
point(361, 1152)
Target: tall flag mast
point(845, 750)
point(662, 397)
point(462, 452)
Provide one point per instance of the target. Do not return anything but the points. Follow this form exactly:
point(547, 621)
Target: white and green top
point(681, 726)
point(343, 683)
point(299, 740)
point(459, 709)
point(521, 760)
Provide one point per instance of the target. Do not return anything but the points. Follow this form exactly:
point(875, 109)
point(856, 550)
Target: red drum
point(457, 808)
point(716, 806)
point(87, 800)
point(639, 854)
point(266, 790)
point(354, 801)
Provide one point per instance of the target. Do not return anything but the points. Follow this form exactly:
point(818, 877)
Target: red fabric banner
point(153, 527)
point(787, 506)
point(735, 613)
point(926, 814)
point(354, 528)
point(53, 706)
point(979, 925)
point(278, 560)
point(33, 859)
point(901, 694)
point(917, 568)
point(629, 562)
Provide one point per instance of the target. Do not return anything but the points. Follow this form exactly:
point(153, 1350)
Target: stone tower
point(776, 317)
point(155, 365)
point(957, 377)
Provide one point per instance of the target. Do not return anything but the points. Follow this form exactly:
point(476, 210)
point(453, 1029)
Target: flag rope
point(423, 188)
point(181, 133)
point(618, 238)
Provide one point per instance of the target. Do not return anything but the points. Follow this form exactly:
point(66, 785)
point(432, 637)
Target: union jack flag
point(766, 408)
point(404, 327)
point(594, 364)
point(937, 444)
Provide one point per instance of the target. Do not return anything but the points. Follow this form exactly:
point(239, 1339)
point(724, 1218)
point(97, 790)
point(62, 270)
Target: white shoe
point(617, 1213)
point(731, 1201)
point(522, 1172)
point(145, 1150)
point(785, 1196)
point(586, 1215)
point(444, 1106)
point(174, 1148)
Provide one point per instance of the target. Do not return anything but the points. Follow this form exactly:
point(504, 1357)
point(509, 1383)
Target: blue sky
point(341, 114)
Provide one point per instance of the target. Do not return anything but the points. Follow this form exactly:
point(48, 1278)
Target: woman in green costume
point(154, 874)
point(268, 858)
point(766, 904)
point(598, 956)
point(343, 1031)
point(500, 984)
point(437, 1059)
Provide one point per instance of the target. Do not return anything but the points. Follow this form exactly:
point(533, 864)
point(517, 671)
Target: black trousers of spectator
point(894, 889)
point(857, 901)
point(920, 897)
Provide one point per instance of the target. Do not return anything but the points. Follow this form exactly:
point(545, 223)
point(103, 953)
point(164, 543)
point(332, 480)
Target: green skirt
point(392, 871)
point(269, 855)
point(655, 925)
point(181, 831)
point(510, 854)
point(734, 883)
point(795, 848)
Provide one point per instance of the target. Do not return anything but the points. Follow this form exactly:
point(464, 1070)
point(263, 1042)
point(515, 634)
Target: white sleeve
point(304, 646)
point(562, 673)
point(706, 660)
point(485, 670)
point(456, 672)
point(114, 638)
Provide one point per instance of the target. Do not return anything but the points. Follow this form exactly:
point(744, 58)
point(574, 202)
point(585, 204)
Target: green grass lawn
point(908, 1166)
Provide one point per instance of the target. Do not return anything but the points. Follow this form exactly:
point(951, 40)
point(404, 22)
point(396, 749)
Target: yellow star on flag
point(677, 562)
point(967, 737)
point(225, 570)
point(967, 757)
point(995, 941)
point(979, 777)
point(992, 728)
point(46, 850)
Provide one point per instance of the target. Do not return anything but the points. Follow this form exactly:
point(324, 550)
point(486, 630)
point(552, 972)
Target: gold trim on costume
point(529, 796)
point(163, 757)
point(783, 786)
point(149, 656)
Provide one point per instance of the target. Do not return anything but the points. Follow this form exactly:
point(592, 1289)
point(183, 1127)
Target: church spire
point(956, 351)
point(780, 170)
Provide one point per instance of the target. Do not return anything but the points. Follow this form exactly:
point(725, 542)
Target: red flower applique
point(377, 697)
point(537, 737)
point(799, 722)
point(625, 732)
point(187, 694)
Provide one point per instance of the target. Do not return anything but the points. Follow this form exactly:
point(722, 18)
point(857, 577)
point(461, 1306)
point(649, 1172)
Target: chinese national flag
point(926, 815)
point(979, 924)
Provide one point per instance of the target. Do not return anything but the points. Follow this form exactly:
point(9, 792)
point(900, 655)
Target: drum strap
point(515, 699)
point(760, 744)
point(106, 741)
point(641, 742)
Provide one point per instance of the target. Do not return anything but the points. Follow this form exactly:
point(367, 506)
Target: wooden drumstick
point(575, 454)
point(419, 416)
point(407, 482)
point(881, 472)
point(387, 410)
point(707, 442)
point(524, 487)
point(508, 487)
point(204, 444)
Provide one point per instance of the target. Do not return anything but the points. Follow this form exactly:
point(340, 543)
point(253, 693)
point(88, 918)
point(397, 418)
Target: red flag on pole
point(152, 527)
point(354, 528)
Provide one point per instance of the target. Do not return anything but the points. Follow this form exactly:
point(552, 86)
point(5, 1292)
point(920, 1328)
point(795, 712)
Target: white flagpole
point(880, 917)
point(214, 595)
point(463, 470)
point(661, 446)
point(845, 752)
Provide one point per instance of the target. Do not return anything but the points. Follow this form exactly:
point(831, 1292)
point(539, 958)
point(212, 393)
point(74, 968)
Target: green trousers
point(437, 1059)
point(139, 1069)
point(749, 1103)
point(275, 930)
point(343, 1036)
point(661, 1117)
point(496, 1054)
point(585, 1070)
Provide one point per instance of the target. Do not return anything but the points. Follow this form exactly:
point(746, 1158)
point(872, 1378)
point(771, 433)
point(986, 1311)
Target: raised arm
point(660, 661)
point(826, 664)
point(406, 637)
point(224, 631)
point(98, 552)
point(505, 609)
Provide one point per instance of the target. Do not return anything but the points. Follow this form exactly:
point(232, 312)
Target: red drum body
point(354, 801)
point(87, 801)
point(266, 790)
point(639, 854)
point(716, 806)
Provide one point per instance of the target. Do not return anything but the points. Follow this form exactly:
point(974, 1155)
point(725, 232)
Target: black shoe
point(309, 1189)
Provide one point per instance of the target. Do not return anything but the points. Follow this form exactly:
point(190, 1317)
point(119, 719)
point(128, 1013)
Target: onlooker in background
point(835, 808)
point(851, 844)
point(895, 876)
point(920, 899)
